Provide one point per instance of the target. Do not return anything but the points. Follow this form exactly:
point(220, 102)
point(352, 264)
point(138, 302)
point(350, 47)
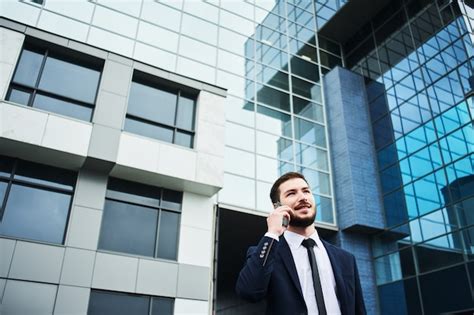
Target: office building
point(139, 140)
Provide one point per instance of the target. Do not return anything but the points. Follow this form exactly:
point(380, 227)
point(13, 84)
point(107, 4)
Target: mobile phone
point(285, 220)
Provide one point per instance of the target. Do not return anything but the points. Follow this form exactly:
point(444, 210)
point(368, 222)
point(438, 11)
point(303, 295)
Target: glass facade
point(418, 60)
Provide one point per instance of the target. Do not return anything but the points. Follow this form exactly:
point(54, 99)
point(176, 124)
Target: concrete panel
point(110, 110)
point(239, 191)
point(197, 211)
point(211, 108)
point(186, 307)
point(116, 78)
point(37, 262)
point(114, 272)
point(193, 282)
point(23, 297)
point(138, 152)
point(10, 45)
point(46, 36)
point(66, 134)
point(120, 59)
point(20, 12)
point(195, 246)
point(104, 143)
point(63, 26)
point(90, 189)
point(21, 123)
point(72, 300)
point(77, 267)
point(157, 278)
point(7, 73)
point(6, 253)
point(84, 228)
point(83, 47)
point(210, 169)
point(210, 138)
point(167, 161)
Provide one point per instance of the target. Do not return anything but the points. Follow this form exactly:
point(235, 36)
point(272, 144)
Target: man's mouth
point(303, 205)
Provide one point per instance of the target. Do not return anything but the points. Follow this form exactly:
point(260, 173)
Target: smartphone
point(285, 220)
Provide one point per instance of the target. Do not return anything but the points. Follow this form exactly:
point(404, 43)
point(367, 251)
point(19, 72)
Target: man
point(283, 269)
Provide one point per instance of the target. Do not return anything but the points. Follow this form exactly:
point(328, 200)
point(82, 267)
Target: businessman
point(291, 267)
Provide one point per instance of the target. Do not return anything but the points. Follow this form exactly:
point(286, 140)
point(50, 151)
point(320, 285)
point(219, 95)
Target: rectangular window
point(56, 79)
point(107, 302)
point(34, 200)
point(141, 220)
point(161, 110)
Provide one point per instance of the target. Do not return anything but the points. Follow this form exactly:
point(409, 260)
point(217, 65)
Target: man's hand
point(275, 219)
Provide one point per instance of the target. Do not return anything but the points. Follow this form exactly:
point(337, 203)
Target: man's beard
point(297, 221)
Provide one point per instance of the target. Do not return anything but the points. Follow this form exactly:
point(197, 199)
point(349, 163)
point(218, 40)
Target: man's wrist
point(272, 235)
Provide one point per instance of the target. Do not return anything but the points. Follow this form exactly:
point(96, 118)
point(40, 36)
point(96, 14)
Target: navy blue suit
point(270, 273)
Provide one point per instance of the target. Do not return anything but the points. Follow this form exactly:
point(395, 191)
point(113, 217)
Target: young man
point(291, 267)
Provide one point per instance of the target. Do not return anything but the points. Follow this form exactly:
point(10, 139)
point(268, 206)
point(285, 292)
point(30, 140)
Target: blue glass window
point(35, 203)
point(158, 110)
point(147, 217)
point(108, 302)
point(63, 82)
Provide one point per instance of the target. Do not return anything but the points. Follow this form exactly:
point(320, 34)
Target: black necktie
point(309, 244)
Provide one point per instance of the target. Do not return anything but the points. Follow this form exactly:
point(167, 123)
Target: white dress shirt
point(326, 274)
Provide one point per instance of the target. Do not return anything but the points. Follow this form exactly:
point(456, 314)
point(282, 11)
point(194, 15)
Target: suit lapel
point(287, 258)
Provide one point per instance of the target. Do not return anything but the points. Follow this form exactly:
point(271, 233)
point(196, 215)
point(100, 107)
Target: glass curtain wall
point(418, 58)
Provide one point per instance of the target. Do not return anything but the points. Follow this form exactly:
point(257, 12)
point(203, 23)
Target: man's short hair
point(275, 191)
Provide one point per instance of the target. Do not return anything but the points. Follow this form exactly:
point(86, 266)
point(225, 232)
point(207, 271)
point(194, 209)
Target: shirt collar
point(294, 240)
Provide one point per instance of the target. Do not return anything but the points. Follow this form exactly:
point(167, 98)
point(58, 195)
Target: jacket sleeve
point(253, 280)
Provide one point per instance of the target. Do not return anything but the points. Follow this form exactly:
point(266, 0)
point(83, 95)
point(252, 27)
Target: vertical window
point(34, 200)
point(57, 80)
point(141, 220)
point(159, 110)
point(106, 302)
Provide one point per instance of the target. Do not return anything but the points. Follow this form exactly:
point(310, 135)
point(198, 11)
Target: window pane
point(272, 97)
point(184, 139)
point(185, 117)
point(128, 228)
point(273, 121)
point(133, 192)
point(28, 68)
point(19, 96)
point(172, 199)
point(310, 132)
point(306, 89)
point(168, 239)
point(6, 165)
point(162, 306)
point(304, 69)
point(105, 303)
point(35, 214)
point(153, 104)
point(45, 175)
point(312, 157)
point(148, 130)
point(61, 107)
point(3, 189)
point(308, 109)
point(70, 80)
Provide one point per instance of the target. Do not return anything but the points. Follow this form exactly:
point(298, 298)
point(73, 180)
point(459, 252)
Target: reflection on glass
point(185, 113)
point(272, 97)
point(36, 214)
point(19, 96)
point(274, 146)
point(318, 181)
point(103, 302)
point(137, 226)
point(168, 238)
point(273, 121)
point(308, 109)
point(45, 175)
point(28, 68)
point(148, 130)
point(310, 156)
point(70, 80)
point(310, 132)
point(306, 89)
point(152, 103)
point(324, 209)
point(303, 50)
point(272, 76)
point(304, 69)
point(62, 107)
point(162, 306)
point(388, 268)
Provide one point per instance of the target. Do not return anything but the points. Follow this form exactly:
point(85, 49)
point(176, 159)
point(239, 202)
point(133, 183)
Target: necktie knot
point(308, 243)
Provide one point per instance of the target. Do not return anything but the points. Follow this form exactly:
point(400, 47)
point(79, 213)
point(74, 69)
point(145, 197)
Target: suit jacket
point(270, 273)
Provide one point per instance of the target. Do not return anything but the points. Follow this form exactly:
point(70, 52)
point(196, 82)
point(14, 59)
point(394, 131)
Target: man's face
point(296, 194)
